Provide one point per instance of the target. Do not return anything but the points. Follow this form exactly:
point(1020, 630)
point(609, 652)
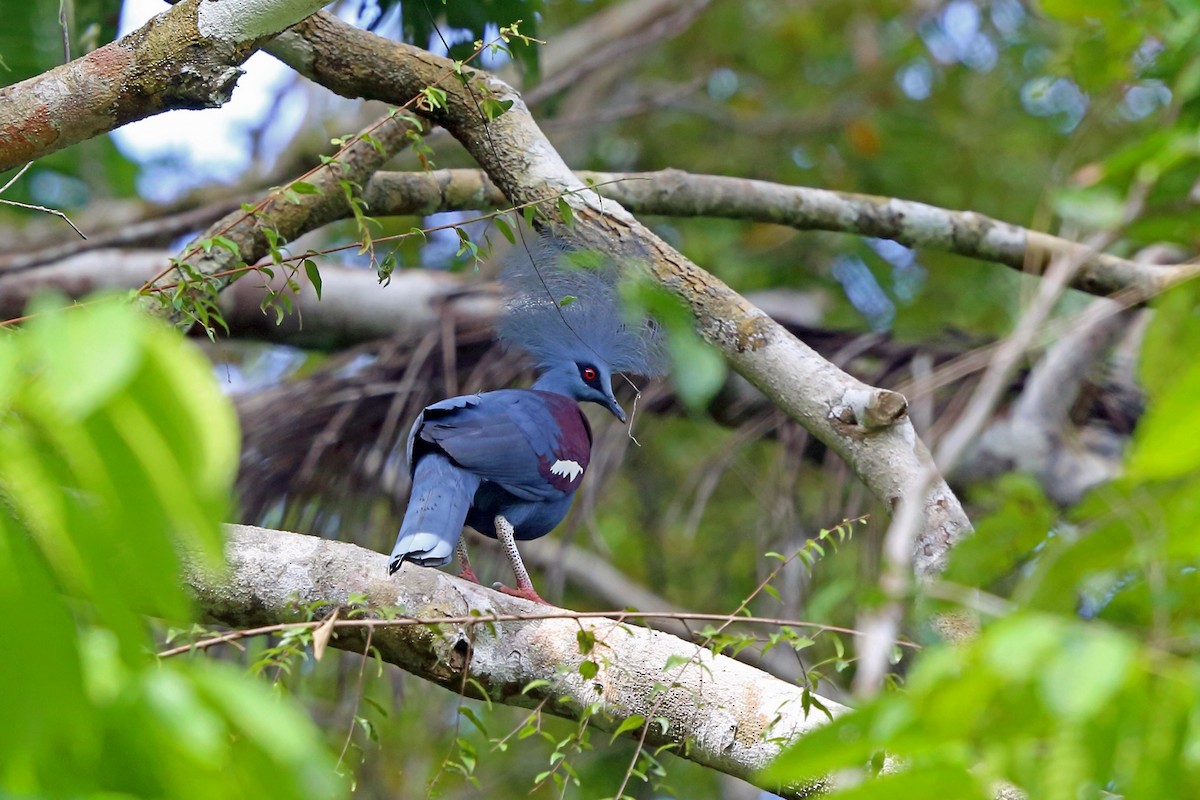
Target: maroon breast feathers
point(567, 457)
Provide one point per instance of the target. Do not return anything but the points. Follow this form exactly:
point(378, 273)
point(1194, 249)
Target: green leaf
point(493, 108)
point(505, 228)
point(474, 718)
point(697, 370)
point(1095, 208)
point(1080, 11)
point(1014, 518)
point(566, 212)
point(105, 484)
point(278, 730)
point(1016, 647)
point(675, 660)
point(86, 357)
point(228, 244)
point(631, 723)
point(1085, 671)
point(314, 275)
point(919, 782)
point(588, 669)
point(1167, 440)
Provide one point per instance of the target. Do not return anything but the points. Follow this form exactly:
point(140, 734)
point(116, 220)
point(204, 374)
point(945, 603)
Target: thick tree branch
point(612, 588)
point(186, 57)
point(838, 409)
point(718, 712)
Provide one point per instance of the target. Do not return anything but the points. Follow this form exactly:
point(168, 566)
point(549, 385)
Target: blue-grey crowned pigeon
point(508, 462)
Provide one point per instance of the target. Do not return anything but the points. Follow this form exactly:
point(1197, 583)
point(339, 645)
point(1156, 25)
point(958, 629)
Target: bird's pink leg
point(506, 535)
point(464, 564)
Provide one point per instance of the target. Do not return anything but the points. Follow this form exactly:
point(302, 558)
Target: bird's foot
point(526, 592)
point(468, 574)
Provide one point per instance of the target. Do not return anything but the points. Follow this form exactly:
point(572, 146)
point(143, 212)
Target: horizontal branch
point(675, 193)
point(715, 712)
point(353, 307)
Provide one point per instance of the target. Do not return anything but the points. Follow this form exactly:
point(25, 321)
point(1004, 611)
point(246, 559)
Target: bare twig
point(621, 616)
point(31, 207)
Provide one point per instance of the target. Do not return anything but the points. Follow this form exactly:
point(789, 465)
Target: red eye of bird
point(589, 374)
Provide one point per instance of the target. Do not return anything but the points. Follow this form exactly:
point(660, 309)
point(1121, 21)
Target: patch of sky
point(1143, 99)
point(916, 79)
point(493, 58)
point(907, 275)
point(441, 246)
point(1047, 96)
point(54, 189)
point(442, 39)
point(1008, 17)
point(181, 150)
point(802, 158)
point(266, 366)
point(864, 292)
point(722, 84)
point(956, 36)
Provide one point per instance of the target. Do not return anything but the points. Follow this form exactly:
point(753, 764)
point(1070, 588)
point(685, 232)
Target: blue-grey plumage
point(438, 505)
point(516, 454)
point(508, 462)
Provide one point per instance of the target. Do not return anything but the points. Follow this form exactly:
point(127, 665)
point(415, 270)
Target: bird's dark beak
point(615, 408)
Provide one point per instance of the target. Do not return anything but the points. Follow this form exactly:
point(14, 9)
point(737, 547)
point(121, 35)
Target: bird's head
point(569, 319)
point(588, 380)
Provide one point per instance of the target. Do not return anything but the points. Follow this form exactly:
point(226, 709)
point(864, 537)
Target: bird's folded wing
point(507, 437)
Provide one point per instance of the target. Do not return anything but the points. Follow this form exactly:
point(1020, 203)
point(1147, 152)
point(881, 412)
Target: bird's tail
point(441, 496)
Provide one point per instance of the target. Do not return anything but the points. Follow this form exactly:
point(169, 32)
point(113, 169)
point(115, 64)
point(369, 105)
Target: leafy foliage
point(1073, 113)
point(1086, 682)
point(116, 456)
point(426, 23)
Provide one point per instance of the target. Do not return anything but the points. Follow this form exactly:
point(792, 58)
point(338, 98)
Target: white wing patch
point(567, 469)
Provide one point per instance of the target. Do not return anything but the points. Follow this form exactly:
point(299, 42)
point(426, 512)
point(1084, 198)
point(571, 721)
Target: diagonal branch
point(186, 57)
point(285, 214)
point(715, 711)
point(866, 426)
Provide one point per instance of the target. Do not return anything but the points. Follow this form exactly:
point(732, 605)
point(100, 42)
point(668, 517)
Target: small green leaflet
point(314, 275)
